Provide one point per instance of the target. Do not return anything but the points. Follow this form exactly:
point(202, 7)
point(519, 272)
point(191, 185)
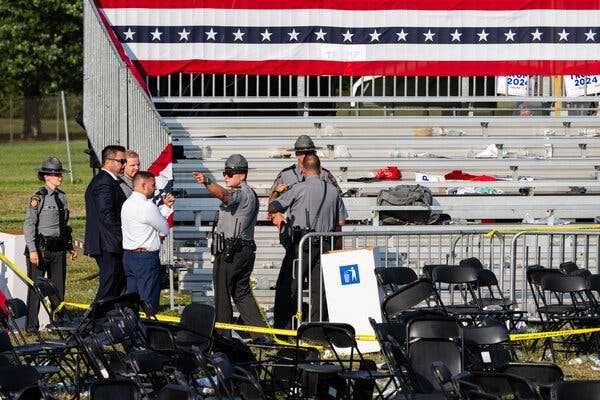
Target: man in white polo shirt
point(144, 225)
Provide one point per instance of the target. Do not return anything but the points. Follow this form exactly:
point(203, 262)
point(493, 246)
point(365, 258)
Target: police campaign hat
point(304, 143)
point(236, 162)
point(51, 165)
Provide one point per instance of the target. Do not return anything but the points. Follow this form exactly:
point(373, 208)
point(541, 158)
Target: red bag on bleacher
point(391, 173)
point(4, 312)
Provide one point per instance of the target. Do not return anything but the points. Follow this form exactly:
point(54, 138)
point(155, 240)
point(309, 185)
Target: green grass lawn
point(19, 162)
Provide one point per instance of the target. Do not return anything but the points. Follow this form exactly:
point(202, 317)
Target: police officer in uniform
point(285, 180)
point(47, 235)
point(233, 245)
point(313, 205)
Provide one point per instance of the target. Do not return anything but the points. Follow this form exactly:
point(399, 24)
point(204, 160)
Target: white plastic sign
point(513, 85)
point(352, 292)
point(580, 85)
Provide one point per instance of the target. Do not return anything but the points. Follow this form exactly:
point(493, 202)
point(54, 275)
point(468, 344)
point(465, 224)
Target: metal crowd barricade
point(413, 247)
point(506, 253)
point(549, 248)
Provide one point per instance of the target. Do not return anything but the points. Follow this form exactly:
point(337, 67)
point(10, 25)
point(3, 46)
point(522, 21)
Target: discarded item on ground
point(458, 175)
point(405, 195)
point(391, 173)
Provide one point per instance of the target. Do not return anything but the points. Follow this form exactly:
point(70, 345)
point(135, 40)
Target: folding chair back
point(327, 334)
point(49, 291)
point(391, 279)
point(568, 267)
point(580, 390)
point(472, 262)
point(175, 392)
point(16, 378)
point(199, 318)
point(17, 307)
point(462, 282)
point(114, 389)
point(428, 270)
point(420, 294)
point(487, 347)
point(534, 275)
point(432, 339)
point(567, 291)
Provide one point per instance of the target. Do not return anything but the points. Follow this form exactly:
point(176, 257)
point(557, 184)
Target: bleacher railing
point(387, 95)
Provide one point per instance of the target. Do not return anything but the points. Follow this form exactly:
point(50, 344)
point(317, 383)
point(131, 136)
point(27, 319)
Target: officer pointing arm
point(234, 259)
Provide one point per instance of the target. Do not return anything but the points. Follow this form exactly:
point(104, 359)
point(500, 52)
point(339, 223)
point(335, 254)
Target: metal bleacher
point(545, 167)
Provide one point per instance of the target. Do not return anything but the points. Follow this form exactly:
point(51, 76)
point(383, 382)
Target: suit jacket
point(103, 201)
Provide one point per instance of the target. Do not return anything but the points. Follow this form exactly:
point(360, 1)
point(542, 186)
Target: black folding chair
point(488, 348)
point(580, 390)
point(20, 382)
point(115, 389)
point(460, 299)
point(420, 294)
point(351, 374)
point(568, 303)
point(391, 279)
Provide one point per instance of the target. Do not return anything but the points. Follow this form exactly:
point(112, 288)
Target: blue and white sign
point(513, 85)
point(349, 274)
point(351, 290)
point(581, 85)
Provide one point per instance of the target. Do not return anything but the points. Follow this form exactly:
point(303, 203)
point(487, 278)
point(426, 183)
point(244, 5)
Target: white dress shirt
point(142, 223)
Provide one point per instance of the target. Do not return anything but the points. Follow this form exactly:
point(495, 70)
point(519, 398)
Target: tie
point(62, 220)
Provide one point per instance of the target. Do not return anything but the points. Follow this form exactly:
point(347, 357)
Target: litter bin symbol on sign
point(349, 274)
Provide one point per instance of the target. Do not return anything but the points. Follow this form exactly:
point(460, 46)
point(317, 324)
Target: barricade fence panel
point(507, 254)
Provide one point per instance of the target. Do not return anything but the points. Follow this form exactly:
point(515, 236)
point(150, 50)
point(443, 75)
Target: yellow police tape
point(367, 338)
point(292, 333)
point(542, 229)
point(16, 270)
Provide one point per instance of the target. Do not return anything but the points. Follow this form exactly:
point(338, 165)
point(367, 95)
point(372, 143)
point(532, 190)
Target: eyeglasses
point(57, 174)
point(228, 173)
point(122, 161)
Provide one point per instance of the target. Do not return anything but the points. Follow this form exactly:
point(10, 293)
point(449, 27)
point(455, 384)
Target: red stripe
point(361, 4)
point(162, 161)
point(115, 40)
point(366, 68)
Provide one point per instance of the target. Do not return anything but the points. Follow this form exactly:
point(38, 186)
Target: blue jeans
point(143, 273)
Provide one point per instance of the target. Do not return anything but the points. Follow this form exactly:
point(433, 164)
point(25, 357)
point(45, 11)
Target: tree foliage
point(41, 47)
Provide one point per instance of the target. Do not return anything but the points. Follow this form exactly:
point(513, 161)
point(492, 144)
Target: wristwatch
point(207, 180)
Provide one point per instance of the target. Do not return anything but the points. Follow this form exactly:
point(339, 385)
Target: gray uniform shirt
point(243, 207)
point(293, 175)
point(307, 195)
point(43, 212)
point(126, 185)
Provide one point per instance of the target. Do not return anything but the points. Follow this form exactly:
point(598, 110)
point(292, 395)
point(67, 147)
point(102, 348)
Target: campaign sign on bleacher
point(581, 85)
point(513, 85)
point(351, 290)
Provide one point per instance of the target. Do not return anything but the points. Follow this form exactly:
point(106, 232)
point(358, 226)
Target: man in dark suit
point(103, 237)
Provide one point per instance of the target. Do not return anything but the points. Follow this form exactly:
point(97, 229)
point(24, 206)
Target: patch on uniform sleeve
point(34, 202)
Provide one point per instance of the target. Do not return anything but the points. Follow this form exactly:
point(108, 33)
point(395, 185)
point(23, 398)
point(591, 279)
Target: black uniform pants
point(112, 276)
point(285, 293)
point(231, 281)
point(53, 263)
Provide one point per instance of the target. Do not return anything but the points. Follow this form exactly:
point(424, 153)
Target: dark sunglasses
point(122, 161)
point(231, 172)
point(55, 174)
